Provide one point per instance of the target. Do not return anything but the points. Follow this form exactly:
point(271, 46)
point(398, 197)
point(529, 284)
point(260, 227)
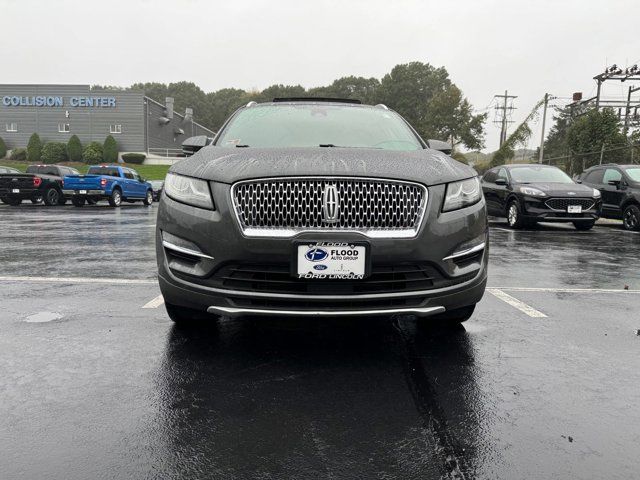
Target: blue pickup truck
point(111, 182)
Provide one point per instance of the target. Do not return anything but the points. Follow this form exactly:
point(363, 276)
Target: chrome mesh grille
point(564, 203)
point(286, 206)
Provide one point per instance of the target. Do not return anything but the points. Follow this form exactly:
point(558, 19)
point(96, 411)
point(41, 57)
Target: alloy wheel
point(513, 214)
point(631, 220)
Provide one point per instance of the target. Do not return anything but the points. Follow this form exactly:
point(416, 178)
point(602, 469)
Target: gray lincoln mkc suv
point(320, 207)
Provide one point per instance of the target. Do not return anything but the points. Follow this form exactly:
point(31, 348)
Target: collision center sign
point(57, 101)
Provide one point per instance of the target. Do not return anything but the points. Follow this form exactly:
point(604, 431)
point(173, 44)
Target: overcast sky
point(527, 47)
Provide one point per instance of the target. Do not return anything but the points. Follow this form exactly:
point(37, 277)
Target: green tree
point(589, 133)
point(74, 149)
point(110, 150)
point(555, 145)
point(154, 90)
point(221, 104)
point(280, 91)
point(53, 152)
point(92, 153)
point(436, 108)
point(359, 88)
point(3, 148)
point(34, 148)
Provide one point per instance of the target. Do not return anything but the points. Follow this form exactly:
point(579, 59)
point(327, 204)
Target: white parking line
point(564, 290)
point(109, 281)
point(154, 303)
point(514, 302)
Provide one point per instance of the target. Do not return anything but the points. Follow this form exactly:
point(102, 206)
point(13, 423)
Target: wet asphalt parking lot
point(96, 382)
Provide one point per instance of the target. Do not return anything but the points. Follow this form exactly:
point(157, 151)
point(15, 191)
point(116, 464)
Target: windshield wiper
point(242, 146)
point(327, 145)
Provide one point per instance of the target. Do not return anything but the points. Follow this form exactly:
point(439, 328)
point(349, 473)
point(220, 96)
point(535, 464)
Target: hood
point(229, 165)
point(561, 189)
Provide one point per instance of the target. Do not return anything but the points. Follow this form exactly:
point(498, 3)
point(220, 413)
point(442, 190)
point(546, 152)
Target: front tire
point(631, 218)
point(115, 200)
point(52, 196)
point(148, 199)
point(78, 201)
point(583, 226)
point(188, 316)
point(514, 215)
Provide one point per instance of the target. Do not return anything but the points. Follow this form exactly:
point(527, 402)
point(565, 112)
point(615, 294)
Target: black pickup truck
point(41, 182)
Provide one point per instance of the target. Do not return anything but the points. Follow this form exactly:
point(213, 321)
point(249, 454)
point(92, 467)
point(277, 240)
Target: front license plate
point(15, 190)
point(574, 209)
point(82, 192)
point(339, 260)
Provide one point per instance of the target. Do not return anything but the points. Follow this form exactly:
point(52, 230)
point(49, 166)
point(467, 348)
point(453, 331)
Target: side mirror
point(501, 181)
point(441, 146)
point(615, 183)
point(192, 144)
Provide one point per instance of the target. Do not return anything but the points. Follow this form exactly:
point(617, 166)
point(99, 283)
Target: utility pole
point(544, 120)
point(504, 120)
point(601, 153)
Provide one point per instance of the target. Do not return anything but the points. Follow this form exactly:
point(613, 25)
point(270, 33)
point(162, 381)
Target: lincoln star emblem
point(330, 204)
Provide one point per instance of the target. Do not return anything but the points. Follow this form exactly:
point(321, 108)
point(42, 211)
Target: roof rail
point(382, 105)
point(318, 99)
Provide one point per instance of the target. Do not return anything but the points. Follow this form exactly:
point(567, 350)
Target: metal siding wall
point(164, 136)
point(89, 123)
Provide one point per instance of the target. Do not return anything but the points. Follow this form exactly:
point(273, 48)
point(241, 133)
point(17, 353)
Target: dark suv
point(313, 208)
point(530, 193)
point(620, 188)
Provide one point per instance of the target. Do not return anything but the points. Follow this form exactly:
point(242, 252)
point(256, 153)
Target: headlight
point(533, 192)
point(462, 194)
point(596, 193)
point(191, 191)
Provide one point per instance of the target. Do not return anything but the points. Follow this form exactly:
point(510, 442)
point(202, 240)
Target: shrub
point(53, 152)
point(92, 153)
point(74, 149)
point(34, 148)
point(18, 154)
point(110, 151)
point(136, 158)
point(3, 148)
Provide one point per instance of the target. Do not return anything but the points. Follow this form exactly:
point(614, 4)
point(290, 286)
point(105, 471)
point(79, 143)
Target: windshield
point(316, 125)
point(633, 173)
point(535, 174)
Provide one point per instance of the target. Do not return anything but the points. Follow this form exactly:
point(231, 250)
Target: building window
point(115, 128)
point(64, 127)
point(11, 127)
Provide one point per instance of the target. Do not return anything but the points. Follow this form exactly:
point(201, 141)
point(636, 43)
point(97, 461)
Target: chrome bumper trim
point(186, 251)
point(232, 312)
point(466, 252)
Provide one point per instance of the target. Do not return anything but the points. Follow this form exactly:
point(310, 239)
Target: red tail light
point(37, 181)
point(103, 182)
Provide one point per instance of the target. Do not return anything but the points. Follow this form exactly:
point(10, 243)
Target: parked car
point(111, 182)
point(157, 189)
point(310, 207)
point(530, 193)
point(39, 183)
point(620, 189)
point(52, 176)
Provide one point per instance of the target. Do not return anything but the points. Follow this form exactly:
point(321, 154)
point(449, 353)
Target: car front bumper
point(197, 249)
point(536, 209)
